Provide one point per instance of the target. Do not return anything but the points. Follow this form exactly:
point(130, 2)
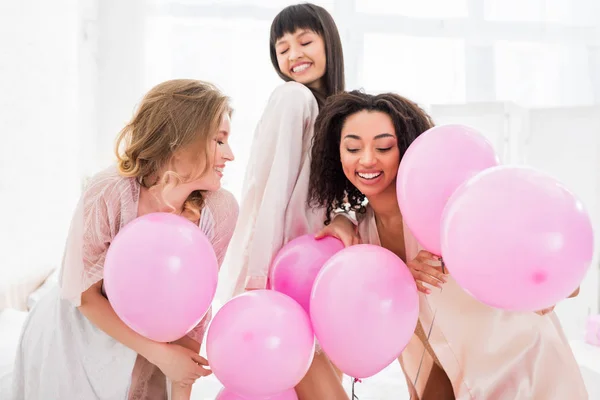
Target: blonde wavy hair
point(179, 114)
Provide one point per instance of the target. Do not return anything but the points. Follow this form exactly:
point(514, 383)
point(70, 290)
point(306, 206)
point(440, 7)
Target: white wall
point(564, 142)
point(72, 72)
point(39, 137)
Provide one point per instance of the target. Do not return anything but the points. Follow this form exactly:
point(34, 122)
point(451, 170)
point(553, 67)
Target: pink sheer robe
point(488, 354)
point(62, 355)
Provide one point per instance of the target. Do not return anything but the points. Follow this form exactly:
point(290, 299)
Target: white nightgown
point(62, 355)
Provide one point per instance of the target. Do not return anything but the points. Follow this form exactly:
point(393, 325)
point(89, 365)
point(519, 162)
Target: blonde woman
point(170, 159)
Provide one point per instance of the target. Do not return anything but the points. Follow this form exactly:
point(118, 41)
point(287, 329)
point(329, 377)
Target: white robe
point(273, 208)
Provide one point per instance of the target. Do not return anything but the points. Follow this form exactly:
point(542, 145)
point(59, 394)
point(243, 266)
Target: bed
point(17, 296)
point(386, 385)
point(11, 321)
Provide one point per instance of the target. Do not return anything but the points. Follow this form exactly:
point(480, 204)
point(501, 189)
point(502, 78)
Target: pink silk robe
point(487, 353)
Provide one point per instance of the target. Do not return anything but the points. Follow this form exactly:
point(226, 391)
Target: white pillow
point(16, 284)
point(40, 292)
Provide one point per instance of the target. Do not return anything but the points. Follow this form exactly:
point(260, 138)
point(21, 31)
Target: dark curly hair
point(328, 185)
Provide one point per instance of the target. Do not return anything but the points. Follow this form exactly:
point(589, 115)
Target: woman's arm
point(96, 308)
point(549, 309)
point(93, 228)
point(179, 391)
point(275, 164)
point(189, 343)
point(224, 209)
point(179, 363)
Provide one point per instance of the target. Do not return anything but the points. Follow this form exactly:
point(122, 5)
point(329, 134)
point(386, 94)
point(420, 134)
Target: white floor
point(390, 383)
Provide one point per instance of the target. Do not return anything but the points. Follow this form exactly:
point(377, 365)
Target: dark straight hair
point(317, 19)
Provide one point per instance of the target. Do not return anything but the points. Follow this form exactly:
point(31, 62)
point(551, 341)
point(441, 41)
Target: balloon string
point(424, 345)
point(354, 380)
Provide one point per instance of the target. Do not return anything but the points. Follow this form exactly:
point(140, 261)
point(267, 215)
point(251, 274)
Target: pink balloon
point(364, 309)
point(260, 343)
point(297, 264)
point(226, 394)
point(434, 165)
point(516, 239)
point(160, 276)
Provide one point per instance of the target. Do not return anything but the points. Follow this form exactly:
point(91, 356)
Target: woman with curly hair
point(471, 350)
point(170, 158)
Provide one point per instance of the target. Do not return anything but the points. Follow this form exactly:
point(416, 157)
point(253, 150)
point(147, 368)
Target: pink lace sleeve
point(98, 217)
point(223, 210)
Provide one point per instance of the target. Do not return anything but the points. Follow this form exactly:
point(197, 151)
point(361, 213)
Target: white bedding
point(386, 385)
point(11, 322)
point(19, 283)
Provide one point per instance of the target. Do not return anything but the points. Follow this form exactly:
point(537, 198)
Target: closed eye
point(307, 43)
point(383, 150)
point(352, 150)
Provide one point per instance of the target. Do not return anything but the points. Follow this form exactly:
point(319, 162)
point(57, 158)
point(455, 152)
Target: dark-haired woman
point(306, 52)
point(473, 351)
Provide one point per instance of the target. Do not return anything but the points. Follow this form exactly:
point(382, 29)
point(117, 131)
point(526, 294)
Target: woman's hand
point(342, 228)
point(181, 365)
point(550, 309)
point(545, 311)
point(423, 271)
